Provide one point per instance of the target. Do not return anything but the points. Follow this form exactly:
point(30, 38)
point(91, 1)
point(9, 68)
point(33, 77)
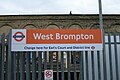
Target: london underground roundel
point(18, 36)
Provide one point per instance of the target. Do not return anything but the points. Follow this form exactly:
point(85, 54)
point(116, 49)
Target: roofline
point(61, 15)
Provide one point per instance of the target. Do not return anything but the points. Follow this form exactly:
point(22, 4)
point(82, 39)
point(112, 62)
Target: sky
point(17, 7)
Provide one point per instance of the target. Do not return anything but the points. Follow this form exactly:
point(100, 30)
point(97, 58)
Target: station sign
point(56, 39)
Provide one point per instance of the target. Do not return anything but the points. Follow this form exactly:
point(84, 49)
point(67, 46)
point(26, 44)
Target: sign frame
point(44, 40)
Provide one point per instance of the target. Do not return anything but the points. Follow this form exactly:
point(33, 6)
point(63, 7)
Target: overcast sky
point(58, 7)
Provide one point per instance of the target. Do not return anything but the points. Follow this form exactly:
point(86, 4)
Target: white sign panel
point(56, 40)
point(48, 74)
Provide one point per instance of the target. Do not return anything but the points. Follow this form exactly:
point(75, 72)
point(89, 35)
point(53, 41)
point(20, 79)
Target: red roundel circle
point(93, 47)
point(18, 36)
